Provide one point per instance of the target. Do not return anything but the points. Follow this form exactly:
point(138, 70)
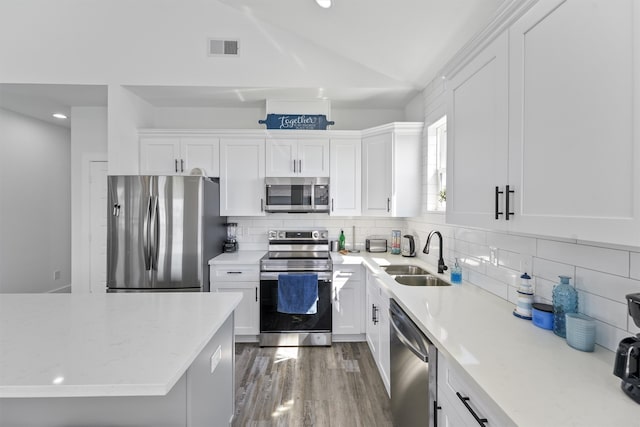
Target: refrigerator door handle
point(154, 233)
point(145, 235)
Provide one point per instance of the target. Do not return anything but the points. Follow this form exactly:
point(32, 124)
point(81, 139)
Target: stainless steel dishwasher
point(413, 372)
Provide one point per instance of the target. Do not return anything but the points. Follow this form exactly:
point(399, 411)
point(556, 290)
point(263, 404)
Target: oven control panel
point(293, 235)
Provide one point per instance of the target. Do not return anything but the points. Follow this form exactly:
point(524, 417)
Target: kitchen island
point(162, 359)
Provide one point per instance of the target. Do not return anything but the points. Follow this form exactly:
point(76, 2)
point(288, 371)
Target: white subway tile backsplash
point(489, 284)
point(605, 310)
point(596, 258)
point(512, 243)
point(543, 290)
point(609, 336)
point(634, 268)
point(550, 270)
point(515, 261)
point(606, 285)
point(471, 236)
point(504, 275)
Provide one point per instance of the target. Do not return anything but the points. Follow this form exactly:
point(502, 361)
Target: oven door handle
point(325, 276)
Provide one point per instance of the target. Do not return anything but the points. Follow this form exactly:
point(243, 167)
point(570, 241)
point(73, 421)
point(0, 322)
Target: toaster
point(376, 245)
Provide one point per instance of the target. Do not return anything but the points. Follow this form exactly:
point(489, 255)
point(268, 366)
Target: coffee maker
point(231, 244)
point(627, 365)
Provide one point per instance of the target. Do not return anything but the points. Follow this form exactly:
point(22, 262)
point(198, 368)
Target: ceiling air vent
point(223, 47)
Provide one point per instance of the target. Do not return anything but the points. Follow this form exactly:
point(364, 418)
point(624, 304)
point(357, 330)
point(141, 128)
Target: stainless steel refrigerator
point(161, 232)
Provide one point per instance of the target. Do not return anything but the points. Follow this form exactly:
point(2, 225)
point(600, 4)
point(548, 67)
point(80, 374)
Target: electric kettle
point(408, 245)
point(627, 363)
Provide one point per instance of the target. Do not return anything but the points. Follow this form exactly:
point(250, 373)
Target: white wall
point(247, 118)
point(88, 143)
point(35, 214)
point(127, 113)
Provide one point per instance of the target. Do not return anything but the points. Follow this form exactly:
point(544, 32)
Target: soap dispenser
point(456, 273)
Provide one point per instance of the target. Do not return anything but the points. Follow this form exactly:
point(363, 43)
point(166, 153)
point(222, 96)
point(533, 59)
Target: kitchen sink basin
point(403, 269)
point(421, 280)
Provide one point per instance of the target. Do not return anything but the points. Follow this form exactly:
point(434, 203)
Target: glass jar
point(565, 300)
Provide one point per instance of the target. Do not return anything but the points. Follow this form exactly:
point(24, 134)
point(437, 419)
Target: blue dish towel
point(298, 293)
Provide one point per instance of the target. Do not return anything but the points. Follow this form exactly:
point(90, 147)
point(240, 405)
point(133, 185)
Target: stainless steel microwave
point(297, 194)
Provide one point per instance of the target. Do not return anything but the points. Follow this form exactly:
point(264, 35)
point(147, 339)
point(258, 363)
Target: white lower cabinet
point(462, 403)
point(244, 279)
point(377, 327)
point(348, 300)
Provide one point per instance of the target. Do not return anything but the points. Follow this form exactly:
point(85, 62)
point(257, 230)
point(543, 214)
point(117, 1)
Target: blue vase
point(565, 300)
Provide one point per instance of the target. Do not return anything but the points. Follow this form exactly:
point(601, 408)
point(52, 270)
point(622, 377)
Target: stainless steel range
point(295, 252)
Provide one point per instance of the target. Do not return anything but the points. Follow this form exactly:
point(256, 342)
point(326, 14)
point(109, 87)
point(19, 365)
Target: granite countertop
point(77, 345)
point(528, 373)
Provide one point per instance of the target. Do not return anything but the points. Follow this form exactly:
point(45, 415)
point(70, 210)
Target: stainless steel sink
point(403, 269)
point(424, 280)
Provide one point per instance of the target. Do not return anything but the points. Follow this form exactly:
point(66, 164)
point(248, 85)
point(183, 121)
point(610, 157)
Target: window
point(437, 165)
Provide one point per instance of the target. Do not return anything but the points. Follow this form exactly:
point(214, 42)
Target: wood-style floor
point(309, 386)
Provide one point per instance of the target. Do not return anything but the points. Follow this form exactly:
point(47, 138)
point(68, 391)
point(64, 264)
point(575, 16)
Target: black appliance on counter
point(295, 252)
point(627, 365)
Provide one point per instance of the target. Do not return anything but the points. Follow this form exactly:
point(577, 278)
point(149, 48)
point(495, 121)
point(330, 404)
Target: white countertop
point(70, 345)
point(532, 375)
point(240, 257)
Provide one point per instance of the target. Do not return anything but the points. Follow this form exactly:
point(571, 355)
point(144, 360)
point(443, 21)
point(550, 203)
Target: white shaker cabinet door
point(247, 314)
point(348, 300)
point(376, 174)
point(202, 153)
point(159, 156)
point(345, 184)
point(575, 120)
point(313, 157)
point(242, 176)
point(282, 157)
point(477, 144)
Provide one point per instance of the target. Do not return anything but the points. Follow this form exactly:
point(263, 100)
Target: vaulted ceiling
point(379, 54)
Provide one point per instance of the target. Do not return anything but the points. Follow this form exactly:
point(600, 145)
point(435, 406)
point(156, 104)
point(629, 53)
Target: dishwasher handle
point(424, 356)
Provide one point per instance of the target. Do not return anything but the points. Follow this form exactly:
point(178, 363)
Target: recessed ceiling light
point(324, 3)
point(59, 116)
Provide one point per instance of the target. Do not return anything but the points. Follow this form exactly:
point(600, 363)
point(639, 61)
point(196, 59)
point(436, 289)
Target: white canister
point(525, 298)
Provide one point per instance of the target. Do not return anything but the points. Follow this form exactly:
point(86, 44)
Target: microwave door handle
point(313, 197)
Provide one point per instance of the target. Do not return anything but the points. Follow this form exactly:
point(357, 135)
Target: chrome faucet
point(441, 266)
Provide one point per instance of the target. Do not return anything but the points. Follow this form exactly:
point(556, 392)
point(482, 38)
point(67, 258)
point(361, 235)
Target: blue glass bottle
point(565, 300)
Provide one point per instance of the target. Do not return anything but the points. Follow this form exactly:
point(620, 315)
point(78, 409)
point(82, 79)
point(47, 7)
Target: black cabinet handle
point(176, 163)
point(507, 192)
point(388, 204)
point(498, 192)
point(181, 165)
point(374, 314)
point(464, 400)
point(331, 205)
point(435, 413)
point(256, 294)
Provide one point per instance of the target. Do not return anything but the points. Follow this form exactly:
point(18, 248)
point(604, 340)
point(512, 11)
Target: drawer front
point(347, 273)
point(469, 401)
point(237, 273)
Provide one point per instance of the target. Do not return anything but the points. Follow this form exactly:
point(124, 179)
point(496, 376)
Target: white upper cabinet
point(179, 154)
point(553, 113)
point(242, 176)
point(391, 176)
point(303, 157)
point(574, 143)
point(477, 144)
point(345, 182)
